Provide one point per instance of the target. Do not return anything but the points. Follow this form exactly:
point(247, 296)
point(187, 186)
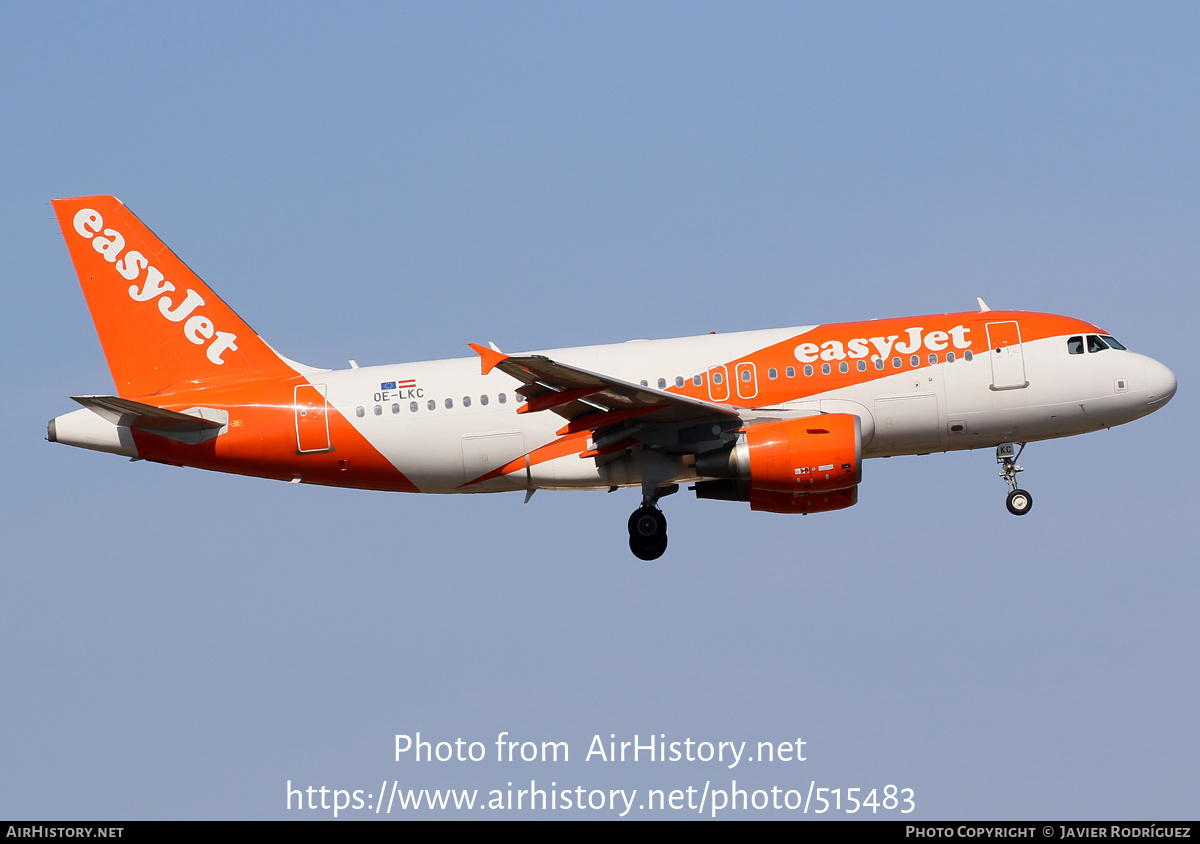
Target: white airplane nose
point(1160, 384)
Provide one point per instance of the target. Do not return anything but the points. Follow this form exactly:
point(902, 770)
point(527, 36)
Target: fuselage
point(919, 384)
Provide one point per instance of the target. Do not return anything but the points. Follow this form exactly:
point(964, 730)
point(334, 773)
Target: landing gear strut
point(648, 525)
point(1019, 501)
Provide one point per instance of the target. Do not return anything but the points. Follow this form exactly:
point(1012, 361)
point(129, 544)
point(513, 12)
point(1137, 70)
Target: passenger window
point(807, 370)
point(933, 358)
point(483, 400)
point(644, 383)
point(915, 360)
point(502, 398)
point(1075, 345)
point(746, 376)
point(718, 378)
point(466, 401)
point(395, 408)
point(1095, 344)
point(949, 357)
point(678, 380)
point(772, 373)
point(896, 362)
point(449, 404)
point(520, 398)
point(824, 369)
point(843, 367)
point(698, 380)
point(662, 383)
point(967, 356)
point(862, 366)
point(790, 372)
point(432, 405)
point(879, 363)
point(378, 410)
point(412, 407)
point(360, 412)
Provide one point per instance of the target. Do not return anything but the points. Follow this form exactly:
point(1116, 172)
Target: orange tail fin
point(162, 328)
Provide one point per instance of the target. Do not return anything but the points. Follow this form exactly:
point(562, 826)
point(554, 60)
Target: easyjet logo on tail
point(197, 328)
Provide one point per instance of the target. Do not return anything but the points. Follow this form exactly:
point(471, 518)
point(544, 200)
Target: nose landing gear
point(1019, 501)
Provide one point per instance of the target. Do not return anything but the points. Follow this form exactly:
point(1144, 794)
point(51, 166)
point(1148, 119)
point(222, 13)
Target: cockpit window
point(1095, 344)
point(1075, 345)
point(1113, 343)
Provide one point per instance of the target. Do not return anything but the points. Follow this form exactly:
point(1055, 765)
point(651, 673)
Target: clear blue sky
point(391, 182)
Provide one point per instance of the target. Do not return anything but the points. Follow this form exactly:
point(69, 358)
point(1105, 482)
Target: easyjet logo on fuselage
point(197, 328)
point(860, 347)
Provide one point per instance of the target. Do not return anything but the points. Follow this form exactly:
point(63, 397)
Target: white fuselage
point(942, 407)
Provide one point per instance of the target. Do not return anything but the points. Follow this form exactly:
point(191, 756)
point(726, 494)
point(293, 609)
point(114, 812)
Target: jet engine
point(790, 466)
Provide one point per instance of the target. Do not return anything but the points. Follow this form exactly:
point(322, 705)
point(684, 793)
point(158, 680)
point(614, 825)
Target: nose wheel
point(1019, 501)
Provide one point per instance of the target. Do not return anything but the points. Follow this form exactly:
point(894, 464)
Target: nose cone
point(1160, 384)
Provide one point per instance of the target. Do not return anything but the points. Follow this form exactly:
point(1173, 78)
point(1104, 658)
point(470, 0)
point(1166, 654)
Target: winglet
point(489, 359)
point(983, 308)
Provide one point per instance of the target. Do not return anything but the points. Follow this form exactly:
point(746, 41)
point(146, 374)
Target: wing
point(608, 406)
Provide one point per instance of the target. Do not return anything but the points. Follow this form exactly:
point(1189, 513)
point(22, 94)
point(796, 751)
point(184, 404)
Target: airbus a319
point(781, 419)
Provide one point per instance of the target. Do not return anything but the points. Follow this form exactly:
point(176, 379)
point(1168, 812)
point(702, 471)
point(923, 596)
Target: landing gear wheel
point(648, 527)
point(651, 552)
point(1019, 502)
point(647, 533)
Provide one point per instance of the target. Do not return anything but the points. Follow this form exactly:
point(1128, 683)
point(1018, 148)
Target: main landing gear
point(1019, 501)
point(648, 532)
point(648, 526)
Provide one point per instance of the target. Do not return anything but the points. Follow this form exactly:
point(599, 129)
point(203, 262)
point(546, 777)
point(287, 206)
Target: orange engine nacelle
point(810, 454)
point(808, 465)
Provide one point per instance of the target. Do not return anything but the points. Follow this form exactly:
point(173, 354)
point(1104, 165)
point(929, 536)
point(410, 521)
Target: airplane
point(780, 419)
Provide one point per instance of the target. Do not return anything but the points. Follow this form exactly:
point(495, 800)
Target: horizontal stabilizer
point(132, 414)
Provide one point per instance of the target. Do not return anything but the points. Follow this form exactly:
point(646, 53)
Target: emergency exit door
point(1008, 362)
